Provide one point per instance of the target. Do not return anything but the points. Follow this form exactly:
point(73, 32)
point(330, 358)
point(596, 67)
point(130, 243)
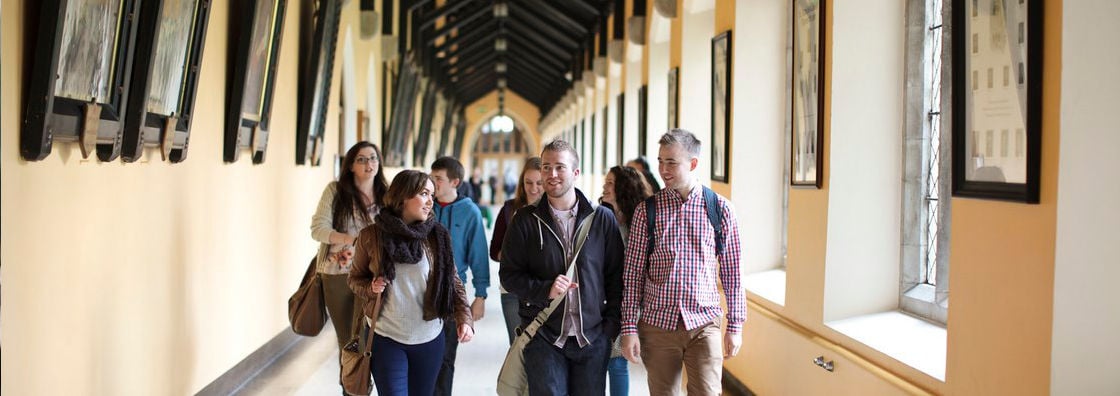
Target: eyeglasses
point(365, 160)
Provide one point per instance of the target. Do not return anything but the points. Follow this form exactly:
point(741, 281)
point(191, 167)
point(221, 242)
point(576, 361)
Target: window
point(924, 262)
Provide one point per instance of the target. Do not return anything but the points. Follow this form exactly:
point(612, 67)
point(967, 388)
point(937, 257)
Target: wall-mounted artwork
point(997, 99)
point(78, 88)
point(674, 96)
point(721, 103)
point(643, 112)
point(319, 40)
point(807, 157)
point(255, 28)
point(621, 106)
point(165, 75)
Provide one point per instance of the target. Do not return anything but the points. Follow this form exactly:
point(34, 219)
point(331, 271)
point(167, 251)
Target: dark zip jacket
point(533, 255)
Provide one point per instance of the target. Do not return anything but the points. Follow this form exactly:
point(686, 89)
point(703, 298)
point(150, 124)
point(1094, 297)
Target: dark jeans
point(618, 370)
point(567, 371)
point(447, 368)
point(509, 311)
point(401, 369)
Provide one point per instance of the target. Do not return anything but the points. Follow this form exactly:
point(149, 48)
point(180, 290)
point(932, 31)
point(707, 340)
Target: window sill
point(912, 341)
point(770, 285)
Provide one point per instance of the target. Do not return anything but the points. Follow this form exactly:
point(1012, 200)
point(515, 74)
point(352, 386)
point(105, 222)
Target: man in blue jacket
point(569, 353)
point(463, 220)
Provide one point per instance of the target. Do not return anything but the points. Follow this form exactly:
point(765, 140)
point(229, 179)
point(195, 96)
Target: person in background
point(642, 167)
point(623, 189)
point(529, 191)
point(345, 208)
point(463, 220)
point(405, 258)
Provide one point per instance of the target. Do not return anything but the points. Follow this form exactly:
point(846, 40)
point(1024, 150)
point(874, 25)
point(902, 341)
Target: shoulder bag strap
point(581, 237)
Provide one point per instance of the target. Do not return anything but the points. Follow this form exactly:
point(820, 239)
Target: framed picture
point(721, 103)
point(997, 99)
point(256, 27)
point(674, 96)
point(807, 102)
point(319, 39)
point(621, 106)
point(78, 87)
point(643, 111)
point(168, 59)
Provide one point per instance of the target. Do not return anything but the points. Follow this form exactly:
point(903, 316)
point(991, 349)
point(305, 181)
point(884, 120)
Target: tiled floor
point(311, 369)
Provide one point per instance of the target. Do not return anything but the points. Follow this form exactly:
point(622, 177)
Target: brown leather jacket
point(367, 262)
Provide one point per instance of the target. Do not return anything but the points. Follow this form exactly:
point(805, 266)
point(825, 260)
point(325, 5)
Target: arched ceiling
point(547, 44)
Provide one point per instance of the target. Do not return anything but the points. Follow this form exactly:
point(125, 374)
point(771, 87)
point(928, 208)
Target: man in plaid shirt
point(671, 304)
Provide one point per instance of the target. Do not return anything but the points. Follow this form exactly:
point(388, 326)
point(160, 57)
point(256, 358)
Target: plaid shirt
point(678, 280)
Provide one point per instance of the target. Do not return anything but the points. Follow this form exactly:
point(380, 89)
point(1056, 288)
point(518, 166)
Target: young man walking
point(569, 353)
point(463, 220)
point(671, 306)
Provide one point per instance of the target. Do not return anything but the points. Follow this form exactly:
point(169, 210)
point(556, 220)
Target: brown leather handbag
point(307, 312)
point(356, 378)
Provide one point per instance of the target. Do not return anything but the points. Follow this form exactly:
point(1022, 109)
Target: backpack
point(711, 205)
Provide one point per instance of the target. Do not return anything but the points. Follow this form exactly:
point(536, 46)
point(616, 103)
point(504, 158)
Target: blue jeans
point(447, 368)
point(510, 305)
point(618, 370)
point(567, 371)
point(402, 369)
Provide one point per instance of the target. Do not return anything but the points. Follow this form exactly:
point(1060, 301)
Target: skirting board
point(244, 371)
point(733, 386)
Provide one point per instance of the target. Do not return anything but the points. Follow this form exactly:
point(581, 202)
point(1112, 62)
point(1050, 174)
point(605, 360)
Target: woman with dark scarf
point(405, 259)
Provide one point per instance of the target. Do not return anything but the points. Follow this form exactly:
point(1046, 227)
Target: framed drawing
point(256, 26)
point(319, 39)
point(78, 87)
point(721, 105)
point(674, 96)
point(168, 58)
point(997, 99)
point(807, 102)
point(643, 111)
point(621, 118)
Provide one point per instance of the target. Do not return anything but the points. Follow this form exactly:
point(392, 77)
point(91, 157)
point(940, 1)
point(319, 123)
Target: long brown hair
point(522, 197)
point(347, 199)
point(406, 185)
point(630, 189)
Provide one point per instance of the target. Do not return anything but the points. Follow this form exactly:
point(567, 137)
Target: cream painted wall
point(152, 278)
point(695, 108)
point(1086, 315)
point(864, 206)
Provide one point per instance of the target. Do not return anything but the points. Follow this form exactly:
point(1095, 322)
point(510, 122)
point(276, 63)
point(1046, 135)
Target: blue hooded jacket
point(468, 241)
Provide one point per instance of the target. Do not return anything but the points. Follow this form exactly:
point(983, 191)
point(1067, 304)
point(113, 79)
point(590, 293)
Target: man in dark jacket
point(570, 352)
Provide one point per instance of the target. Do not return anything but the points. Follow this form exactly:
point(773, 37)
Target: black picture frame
point(256, 27)
point(78, 85)
point(643, 113)
point(168, 59)
point(1005, 38)
point(621, 105)
point(806, 100)
point(721, 107)
point(319, 40)
point(674, 95)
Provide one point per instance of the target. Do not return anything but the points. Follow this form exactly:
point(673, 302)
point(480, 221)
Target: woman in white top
point(346, 207)
point(405, 261)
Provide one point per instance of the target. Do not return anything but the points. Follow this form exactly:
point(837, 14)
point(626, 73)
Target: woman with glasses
point(347, 206)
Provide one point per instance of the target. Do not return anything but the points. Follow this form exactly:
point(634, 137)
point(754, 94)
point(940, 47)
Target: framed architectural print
point(674, 96)
point(319, 40)
point(78, 87)
point(721, 105)
point(997, 99)
point(807, 102)
point(168, 59)
point(643, 112)
point(255, 28)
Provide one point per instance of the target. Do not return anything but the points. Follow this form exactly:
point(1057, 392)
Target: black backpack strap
point(715, 216)
point(651, 222)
